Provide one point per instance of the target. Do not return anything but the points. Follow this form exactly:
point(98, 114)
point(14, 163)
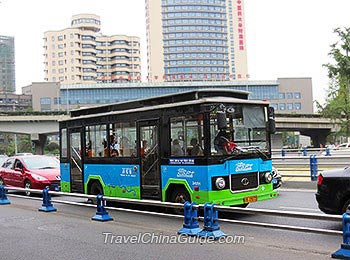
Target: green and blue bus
point(201, 146)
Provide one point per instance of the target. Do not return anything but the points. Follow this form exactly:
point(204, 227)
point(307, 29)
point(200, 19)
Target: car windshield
point(38, 163)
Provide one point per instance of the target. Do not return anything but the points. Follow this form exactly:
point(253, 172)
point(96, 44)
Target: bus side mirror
point(221, 120)
point(271, 124)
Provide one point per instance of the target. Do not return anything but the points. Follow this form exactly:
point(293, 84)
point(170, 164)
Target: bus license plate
point(250, 199)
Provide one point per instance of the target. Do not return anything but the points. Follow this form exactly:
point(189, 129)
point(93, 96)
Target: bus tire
point(180, 195)
point(95, 188)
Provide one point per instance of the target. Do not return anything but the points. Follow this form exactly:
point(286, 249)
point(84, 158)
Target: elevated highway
point(39, 126)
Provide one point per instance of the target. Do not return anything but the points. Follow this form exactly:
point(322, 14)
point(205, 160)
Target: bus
point(207, 145)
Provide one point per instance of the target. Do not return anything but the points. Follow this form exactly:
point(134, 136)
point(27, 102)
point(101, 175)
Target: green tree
point(338, 99)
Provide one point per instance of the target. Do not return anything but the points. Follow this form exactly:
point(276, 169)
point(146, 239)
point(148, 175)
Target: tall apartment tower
point(81, 54)
point(196, 40)
point(7, 65)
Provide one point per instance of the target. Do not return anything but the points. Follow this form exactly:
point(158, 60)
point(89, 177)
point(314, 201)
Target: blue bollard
point(313, 167)
point(190, 226)
point(344, 251)
point(101, 214)
point(211, 226)
point(3, 198)
point(283, 152)
point(47, 205)
point(328, 151)
point(304, 152)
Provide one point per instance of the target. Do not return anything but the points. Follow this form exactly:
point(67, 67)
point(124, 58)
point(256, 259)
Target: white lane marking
point(298, 208)
point(300, 190)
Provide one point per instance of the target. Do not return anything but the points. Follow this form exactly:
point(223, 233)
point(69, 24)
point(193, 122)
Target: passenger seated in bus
point(176, 149)
point(88, 149)
point(113, 147)
point(196, 150)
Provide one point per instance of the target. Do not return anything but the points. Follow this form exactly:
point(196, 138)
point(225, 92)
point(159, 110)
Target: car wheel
point(27, 185)
point(2, 182)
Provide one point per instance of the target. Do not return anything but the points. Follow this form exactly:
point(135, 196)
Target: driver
point(222, 143)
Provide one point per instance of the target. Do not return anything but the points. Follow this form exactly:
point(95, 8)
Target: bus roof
point(217, 99)
point(164, 99)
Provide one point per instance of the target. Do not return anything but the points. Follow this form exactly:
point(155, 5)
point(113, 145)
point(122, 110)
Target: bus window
point(64, 147)
point(246, 128)
point(95, 141)
point(125, 139)
point(187, 136)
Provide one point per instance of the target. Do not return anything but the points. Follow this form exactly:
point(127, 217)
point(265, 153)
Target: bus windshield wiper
point(237, 150)
point(262, 155)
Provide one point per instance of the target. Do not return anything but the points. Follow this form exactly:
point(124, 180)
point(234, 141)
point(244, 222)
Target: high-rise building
point(81, 54)
point(196, 40)
point(7, 65)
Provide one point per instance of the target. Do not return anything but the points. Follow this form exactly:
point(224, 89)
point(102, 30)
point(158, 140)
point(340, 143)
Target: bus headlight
point(220, 183)
point(268, 177)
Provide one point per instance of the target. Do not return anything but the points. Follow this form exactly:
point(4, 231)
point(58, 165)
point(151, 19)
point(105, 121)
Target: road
point(70, 234)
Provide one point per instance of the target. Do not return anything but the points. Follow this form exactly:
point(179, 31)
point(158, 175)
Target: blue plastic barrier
point(101, 214)
point(313, 167)
point(3, 198)
point(304, 152)
point(190, 226)
point(283, 152)
point(47, 205)
point(344, 251)
point(211, 225)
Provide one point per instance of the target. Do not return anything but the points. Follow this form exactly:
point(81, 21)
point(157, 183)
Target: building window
point(275, 106)
point(297, 95)
point(282, 106)
point(289, 95)
point(45, 101)
point(297, 106)
point(290, 106)
point(281, 96)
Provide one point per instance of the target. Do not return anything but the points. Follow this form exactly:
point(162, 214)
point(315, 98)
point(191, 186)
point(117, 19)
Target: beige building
point(80, 54)
point(295, 96)
point(196, 40)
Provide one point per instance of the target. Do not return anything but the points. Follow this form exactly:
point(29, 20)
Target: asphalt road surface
point(70, 234)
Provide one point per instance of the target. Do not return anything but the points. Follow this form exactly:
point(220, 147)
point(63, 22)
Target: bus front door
point(150, 159)
point(76, 165)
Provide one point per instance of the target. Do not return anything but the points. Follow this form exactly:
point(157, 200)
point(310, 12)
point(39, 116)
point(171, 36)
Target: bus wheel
point(179, 195)
point(95, 189)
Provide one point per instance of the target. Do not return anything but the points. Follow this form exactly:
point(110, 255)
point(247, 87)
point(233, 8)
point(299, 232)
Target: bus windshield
point(244, 130)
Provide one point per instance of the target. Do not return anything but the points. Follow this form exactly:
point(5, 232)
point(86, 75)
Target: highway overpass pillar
point(39, 141)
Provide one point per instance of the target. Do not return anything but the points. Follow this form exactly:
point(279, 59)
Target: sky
point(284, 38)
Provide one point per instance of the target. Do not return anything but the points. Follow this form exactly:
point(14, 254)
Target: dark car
point(31, 172)
point(333, 191)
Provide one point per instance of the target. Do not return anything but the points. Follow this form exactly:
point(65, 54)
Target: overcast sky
point(285, 38)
